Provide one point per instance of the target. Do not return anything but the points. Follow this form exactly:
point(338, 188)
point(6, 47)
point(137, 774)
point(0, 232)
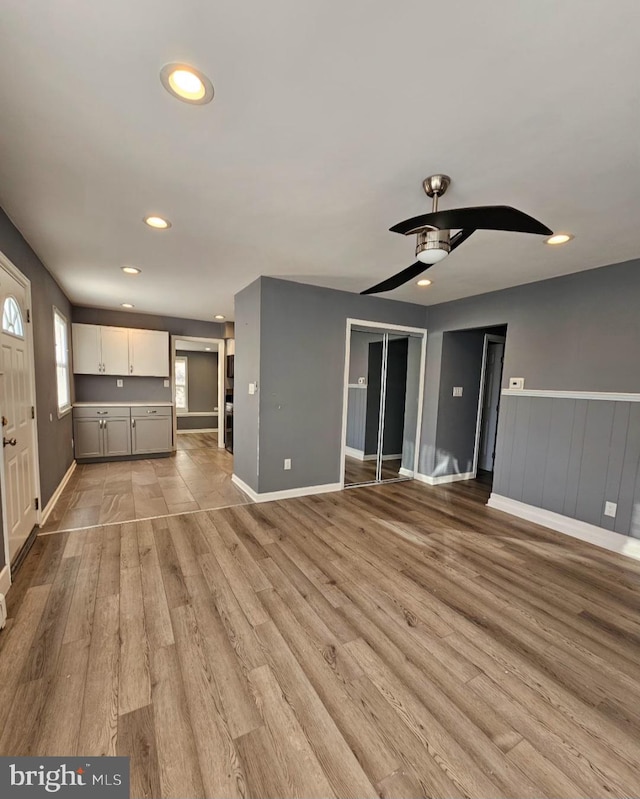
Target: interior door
point(490, 405)
point(17, 397)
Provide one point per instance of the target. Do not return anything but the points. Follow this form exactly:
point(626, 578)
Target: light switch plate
point(516, 382)
point(610, 509)
point(252, 388)
point(287, 464)
point(457, 391)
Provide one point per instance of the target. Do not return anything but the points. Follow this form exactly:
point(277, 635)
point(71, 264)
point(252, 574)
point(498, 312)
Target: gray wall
point(356, 417)
point(202, 388)
point(571, 456)
point(461, 365)
point(54, 437)
point(577, 332)
point(295, 335)
point(247, 369)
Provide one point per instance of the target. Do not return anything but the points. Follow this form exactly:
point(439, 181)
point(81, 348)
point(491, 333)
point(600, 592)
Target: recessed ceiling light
point(127, 305)
point(208, 349)
point(157, 222)
point(559, 238)
point(131, 270)
point(187, 83)
point(218, 316)
point(424, 282)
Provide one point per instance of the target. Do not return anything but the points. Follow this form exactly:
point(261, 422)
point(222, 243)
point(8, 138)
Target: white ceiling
point(327, 116)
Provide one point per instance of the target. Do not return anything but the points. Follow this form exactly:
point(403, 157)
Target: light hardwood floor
point(196, 477)
point(356, 471)
point(395, 641)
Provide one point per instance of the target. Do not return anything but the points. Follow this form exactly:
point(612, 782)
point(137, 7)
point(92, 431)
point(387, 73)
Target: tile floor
point(196, 477)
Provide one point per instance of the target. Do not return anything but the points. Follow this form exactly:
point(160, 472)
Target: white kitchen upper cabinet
point(149, 353)
point(87, 354)
point(115, 350)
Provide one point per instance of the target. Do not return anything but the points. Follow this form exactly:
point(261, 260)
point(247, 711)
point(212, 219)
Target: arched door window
point(12, 318)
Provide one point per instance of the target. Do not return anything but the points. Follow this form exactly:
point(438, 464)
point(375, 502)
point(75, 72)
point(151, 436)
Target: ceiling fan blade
point(397, 280)
point(481, 217)
point(415, 269)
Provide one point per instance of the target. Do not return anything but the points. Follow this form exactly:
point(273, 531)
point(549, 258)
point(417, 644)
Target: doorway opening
point(19, 469)
point(383, 397)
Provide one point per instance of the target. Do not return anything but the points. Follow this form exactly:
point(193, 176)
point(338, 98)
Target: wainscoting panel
point(356, 417)
point(570, 456)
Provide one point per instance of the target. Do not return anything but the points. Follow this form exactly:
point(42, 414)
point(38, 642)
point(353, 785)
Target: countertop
point(121, 404)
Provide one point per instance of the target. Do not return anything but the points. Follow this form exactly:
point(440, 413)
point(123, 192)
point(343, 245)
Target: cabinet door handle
point(102, 413)
point(131, 368)
point(152, 411)
point(133, 423)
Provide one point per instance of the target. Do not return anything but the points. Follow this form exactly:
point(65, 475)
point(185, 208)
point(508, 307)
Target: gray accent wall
point(570, 456)
point(461, 365)
point(294, 334)
point(54, 435)
point(247, 369)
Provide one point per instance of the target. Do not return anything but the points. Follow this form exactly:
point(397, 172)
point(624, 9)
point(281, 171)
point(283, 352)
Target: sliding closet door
point(363, 407)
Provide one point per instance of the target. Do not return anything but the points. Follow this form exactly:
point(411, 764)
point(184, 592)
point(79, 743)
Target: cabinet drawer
point(102, 412)
point(151, 410)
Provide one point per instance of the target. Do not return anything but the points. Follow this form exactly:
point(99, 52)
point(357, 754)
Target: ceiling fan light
point(432, 246)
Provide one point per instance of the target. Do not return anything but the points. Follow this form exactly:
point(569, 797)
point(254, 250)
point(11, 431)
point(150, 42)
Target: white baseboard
point(199, 430)
point(615, 542)
point(440, 479)
point(5, 579)
point(56, 494)
point(289, 493)
point(406, 472)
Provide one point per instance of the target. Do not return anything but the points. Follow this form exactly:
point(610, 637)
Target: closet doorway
point(383, 397)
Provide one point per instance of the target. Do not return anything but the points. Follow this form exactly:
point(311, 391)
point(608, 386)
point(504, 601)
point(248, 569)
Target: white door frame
point(384, 326)
point(222, 349)
point(7, 266)
point(488, 337)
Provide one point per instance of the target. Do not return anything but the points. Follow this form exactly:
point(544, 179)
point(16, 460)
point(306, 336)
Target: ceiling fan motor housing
point(433, 245)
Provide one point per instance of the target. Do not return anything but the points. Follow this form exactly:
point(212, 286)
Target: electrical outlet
point(166, 384)
point(457, 391)
point(516, 382)
point(252, 388)
point(610, 509)
point(287, 464)
point(119, 382)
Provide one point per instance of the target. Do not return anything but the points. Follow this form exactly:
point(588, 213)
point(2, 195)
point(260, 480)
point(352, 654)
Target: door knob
point(10, 442)
point(5, 421)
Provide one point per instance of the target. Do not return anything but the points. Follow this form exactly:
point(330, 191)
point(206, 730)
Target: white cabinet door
point(149, 353)
point(115, 350)
point(87, 358)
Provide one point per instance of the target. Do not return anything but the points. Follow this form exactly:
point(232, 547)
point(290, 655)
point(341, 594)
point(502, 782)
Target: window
point(180, 378)
point(61, 337)
point(12, 318)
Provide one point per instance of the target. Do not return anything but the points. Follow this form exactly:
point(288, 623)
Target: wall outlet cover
point(610, 509)
point(516, 382)
point(457, 391)
point(119, 382)
point(166, 384)
point(287, 464)
point(252, 388)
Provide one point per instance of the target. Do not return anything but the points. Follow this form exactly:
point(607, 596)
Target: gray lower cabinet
point(151, 430)
point(102, 438)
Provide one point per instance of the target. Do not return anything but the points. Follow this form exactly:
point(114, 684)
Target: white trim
point(441, 479)
point(420, 331)
point(56, 494)
point(405, 472)
point(197, 413)
point(615, 542)
point(610, 396)
point(357, 385)
point(198, 430)
point(289, 493)
point(5, 579)
point(359, 455)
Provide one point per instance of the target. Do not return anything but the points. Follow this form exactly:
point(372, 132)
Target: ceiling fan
point(433, 230)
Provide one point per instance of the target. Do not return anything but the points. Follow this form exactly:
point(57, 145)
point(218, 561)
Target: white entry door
point(16, 402)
